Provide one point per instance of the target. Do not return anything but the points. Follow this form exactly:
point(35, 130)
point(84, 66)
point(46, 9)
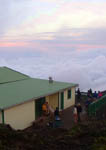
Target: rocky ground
point(89, 135)
point(86, 135)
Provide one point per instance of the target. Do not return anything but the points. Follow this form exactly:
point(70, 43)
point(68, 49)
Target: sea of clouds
point(87, 68)
point(67, 54)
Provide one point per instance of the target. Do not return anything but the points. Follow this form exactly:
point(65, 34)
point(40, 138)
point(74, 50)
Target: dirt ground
point(67, 114)
point(39, 136)
point(67, 117)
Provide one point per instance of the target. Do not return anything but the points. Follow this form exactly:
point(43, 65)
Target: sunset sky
point(65, 39)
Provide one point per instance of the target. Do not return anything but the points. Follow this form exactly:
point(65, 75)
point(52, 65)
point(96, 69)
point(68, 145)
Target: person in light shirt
point(75, 114)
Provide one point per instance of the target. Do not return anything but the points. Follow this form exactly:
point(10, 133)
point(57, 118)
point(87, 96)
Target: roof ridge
point(14, 81)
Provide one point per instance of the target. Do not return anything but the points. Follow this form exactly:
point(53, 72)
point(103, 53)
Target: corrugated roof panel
point(18, 92)
point(9, 75)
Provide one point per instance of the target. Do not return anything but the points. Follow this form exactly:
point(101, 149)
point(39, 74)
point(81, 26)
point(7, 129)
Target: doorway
point(38, 107)
point(62, 100)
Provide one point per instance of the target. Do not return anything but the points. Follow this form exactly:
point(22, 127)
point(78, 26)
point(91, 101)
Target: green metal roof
point(9, 75)
point(14, 93)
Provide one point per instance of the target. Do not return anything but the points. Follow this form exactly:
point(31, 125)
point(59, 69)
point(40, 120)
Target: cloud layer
point(64, 39)
point(83, 68)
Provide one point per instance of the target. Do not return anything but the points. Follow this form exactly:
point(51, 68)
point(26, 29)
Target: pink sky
point(53, 34)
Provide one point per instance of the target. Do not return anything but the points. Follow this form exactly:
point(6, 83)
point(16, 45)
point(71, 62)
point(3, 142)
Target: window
point(69, 94)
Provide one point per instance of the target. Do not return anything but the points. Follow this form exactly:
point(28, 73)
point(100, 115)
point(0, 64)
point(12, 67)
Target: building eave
point(35, 98)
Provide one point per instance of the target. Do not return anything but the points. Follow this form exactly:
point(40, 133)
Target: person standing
point(45, 109)
point(56, 114)
point(95, 96)
point(78, 94)
point(75, 114)
point(90, 91)
point(79, 110)
point(99, 94)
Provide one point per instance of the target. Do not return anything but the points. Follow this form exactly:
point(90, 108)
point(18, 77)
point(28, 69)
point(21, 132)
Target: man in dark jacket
point(78, 95)
point(56, 114)
point(79, 110)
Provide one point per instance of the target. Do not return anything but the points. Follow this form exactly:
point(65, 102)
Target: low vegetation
point(89, 135)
